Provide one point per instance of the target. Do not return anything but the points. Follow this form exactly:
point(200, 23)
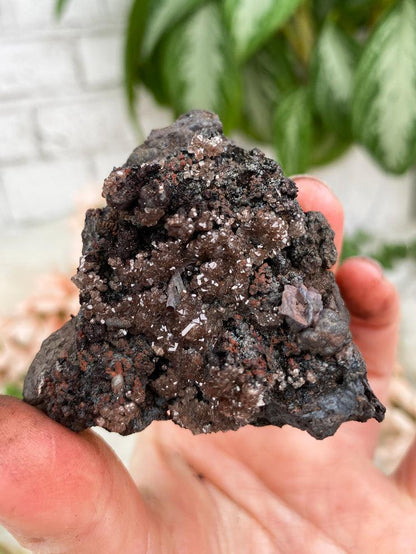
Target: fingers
point(314, 195)
point(371, 300)
point(64, 492)
point(405, 474)
point(374, 307)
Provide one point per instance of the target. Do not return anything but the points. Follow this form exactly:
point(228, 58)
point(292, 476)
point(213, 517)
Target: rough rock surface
point(206, 298)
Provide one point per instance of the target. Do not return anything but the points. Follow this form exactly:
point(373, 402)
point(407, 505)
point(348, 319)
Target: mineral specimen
point(206, 298)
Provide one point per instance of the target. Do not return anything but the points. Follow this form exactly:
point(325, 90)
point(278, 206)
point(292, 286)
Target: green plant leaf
point(261, 90)
point(150, 74)
point(333, 68)
point(252, 22)
point(268, 75)
point(321, 9)
point(136, 27)
point(260, 95)
point(293, 131)
point(198, 70)
point(327, 146)
point(60, 7)
point(163, 15)
point(13, 389)
point(391, 253)
point(362, 14)
point(355, 244)
point(384, 103)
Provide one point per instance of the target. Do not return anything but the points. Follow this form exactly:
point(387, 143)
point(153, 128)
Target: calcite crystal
point(206, 299)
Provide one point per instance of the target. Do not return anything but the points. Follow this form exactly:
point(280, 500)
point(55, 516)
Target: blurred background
point(323, 86)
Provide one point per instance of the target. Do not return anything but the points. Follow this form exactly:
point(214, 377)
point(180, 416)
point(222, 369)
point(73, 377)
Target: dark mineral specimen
point(206, 298)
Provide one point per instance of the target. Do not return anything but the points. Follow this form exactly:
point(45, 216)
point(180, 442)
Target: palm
point(254, 490)
point(273, 491)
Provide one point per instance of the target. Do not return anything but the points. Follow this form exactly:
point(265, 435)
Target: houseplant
point(311, 77)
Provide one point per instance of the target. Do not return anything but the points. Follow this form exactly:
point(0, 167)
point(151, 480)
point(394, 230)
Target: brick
point(17, 140)
point(5, 215)
point(35, 68)
point(101, 60)
point(33, 14)
point(77, 13)
point(7, 15)
point(43, 190)
point(118, 9)
point(85, 13)
point(85, 126)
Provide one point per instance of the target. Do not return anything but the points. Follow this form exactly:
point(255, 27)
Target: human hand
point(263, 490)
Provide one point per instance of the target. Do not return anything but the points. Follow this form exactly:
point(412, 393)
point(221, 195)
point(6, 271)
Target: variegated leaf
point(164, 14)
point(293, 131)
point(268, 76)
point(384, 104)
point(196, 67)
point(132, 47)
point(333, 76)
point(252, 22)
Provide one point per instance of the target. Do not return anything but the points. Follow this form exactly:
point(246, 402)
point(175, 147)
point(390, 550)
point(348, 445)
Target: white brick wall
point(6, 15)
point(31, 14)
point(62, 108)
point(5, 215)
point(18, 141)
point(36, 68)
point(44, 190)
point(101, 59)
point(86, 126)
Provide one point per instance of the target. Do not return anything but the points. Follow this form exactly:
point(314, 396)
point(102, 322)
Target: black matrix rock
point(206, 298)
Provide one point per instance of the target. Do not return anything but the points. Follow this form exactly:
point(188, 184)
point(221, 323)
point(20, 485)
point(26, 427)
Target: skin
point(263, 490)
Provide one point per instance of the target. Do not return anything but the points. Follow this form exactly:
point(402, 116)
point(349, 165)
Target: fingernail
point(374, 263)
point(311, 178)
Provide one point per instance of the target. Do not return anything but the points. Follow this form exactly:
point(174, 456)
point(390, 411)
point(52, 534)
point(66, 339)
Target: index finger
point(61, 491)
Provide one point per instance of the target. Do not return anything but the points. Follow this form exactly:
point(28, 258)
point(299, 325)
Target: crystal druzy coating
point(206, 298)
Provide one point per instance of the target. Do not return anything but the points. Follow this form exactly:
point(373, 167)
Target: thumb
point(65, 492)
